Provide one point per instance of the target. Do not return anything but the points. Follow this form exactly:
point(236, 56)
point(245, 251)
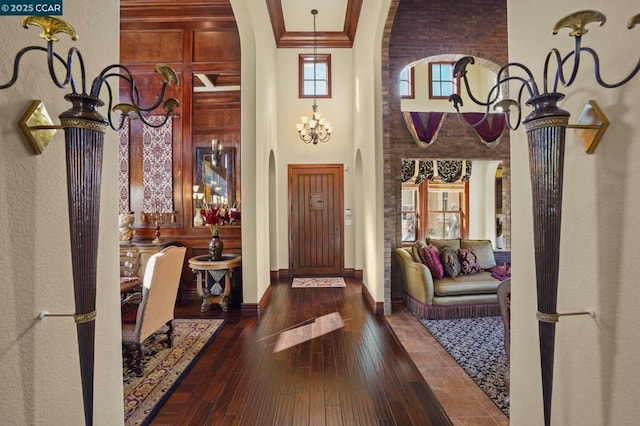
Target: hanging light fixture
point(316, 128)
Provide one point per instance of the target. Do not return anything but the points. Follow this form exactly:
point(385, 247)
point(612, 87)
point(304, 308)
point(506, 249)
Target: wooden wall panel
point(149, 85)
point(218, 119)
point(216, 46)
point(151, 46)
point(193, 37)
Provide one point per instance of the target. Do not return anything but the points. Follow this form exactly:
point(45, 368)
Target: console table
point(217, 269)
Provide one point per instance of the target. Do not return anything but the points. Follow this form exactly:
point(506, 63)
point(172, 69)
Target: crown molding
point(303, 39)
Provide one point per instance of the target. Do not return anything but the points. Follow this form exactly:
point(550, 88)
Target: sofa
point(435, 294)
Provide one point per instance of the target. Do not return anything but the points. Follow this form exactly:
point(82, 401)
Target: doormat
point(164, 368)
point(318, 282)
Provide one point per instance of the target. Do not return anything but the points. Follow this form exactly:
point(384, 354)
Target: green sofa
point(467, 295)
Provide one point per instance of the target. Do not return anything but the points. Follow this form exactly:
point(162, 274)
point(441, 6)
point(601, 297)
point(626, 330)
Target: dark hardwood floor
point(358, 374)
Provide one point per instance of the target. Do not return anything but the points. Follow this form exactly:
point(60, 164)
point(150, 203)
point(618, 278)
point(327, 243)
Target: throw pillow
point(416, 251)
point(501, 272)
point(483, 251)
point(450, 261)
point(432, 260)
point(468, 261)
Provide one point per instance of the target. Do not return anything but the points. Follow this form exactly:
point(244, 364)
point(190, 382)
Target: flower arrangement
point(215, 216)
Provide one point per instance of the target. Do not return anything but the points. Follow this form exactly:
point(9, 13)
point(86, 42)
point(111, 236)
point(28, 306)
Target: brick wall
point(416, 29)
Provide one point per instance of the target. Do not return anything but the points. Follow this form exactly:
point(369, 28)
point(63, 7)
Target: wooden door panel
point(315, 221)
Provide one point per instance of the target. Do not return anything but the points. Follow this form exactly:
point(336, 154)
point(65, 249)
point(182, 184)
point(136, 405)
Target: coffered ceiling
point(291, 20)
point(336, 22)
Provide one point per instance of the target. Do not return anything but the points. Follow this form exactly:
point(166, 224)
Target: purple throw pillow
point(501, 272)
point(432, 260)
point(468, 261)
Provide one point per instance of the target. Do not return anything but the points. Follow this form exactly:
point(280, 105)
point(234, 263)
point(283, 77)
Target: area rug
point(164, 368)
point(318, 282)
point(477, 345)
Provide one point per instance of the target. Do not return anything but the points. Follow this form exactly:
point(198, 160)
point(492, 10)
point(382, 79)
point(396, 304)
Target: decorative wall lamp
point(84, 129)
point(216, 148)
point(546, 127)
point(316, 128)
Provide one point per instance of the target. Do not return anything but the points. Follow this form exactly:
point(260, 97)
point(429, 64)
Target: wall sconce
point(216, 148)
point(84, 129)
point(546, 127)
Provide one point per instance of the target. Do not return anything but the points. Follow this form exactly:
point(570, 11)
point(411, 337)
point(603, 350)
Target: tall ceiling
point(336, 22)
point(291, 20)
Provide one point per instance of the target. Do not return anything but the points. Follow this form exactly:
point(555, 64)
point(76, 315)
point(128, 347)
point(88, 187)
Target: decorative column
point(546, 126)
point(84, 129)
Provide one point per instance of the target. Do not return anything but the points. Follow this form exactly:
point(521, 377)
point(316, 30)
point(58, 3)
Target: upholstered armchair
point(156, 303)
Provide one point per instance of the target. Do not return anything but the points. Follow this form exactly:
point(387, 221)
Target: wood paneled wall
point(193, 37)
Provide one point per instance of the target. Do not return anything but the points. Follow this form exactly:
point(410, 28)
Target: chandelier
point(316, 128)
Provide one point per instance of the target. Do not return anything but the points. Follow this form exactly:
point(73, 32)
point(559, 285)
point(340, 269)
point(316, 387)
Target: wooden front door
point(316, 243)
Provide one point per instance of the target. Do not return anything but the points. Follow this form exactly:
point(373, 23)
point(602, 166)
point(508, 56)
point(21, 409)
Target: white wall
point(259, 134)
point(367, 145)
point(597, 370)
point(482, 194)
point(291, 149)
point(39, 367)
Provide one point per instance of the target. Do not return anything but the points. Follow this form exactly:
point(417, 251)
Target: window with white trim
point(407, 88)
point(442, 82)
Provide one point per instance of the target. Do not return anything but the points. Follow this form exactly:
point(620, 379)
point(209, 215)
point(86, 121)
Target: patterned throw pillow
point(468, 261)
point(432, 260)
point(450, 261)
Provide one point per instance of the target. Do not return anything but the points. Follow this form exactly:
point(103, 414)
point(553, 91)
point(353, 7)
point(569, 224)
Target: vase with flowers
point(214, 217)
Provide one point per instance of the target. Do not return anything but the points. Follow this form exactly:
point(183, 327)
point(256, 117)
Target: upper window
point(406, 83)
point(314, 76)
point(442, 83)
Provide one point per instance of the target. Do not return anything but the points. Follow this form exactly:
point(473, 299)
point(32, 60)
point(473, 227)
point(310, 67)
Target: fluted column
point(546, 127)
point(84, 129)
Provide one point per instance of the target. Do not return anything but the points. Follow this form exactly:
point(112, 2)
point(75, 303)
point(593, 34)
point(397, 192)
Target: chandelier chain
point(314, 129)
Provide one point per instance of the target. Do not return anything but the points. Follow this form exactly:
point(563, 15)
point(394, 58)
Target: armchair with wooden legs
point(156, 303)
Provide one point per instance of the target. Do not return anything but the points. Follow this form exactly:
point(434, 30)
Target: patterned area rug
point(477, 345)
point(164, 367)
point(318, 282)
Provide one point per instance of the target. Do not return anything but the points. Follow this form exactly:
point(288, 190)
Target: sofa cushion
point(468, 261)
point(483, 251)
point(450, 262)
point(432, 260)
point(479, 283)
point(454, 244)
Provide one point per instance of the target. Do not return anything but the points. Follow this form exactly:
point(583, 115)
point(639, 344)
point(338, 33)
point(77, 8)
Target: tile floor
point(465, 403)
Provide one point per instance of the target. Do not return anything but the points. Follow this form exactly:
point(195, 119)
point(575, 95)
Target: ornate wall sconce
point(84, 129)
point(546, 127)
point(216, 148)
